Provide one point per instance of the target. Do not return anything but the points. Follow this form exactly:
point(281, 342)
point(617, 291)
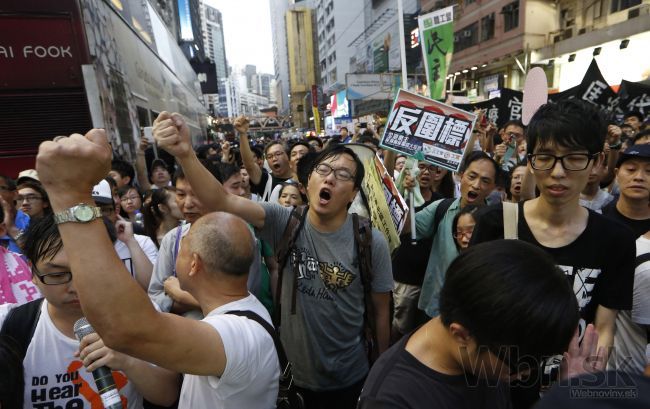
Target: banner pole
point(402, 45)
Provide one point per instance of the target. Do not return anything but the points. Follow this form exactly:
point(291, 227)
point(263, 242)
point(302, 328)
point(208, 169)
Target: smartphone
point(148, 133)
point(363, 125)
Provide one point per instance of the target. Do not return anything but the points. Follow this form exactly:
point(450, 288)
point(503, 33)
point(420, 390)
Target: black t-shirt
point(599, 263)
point(639, 227)
point(259, 188)
point(410, 261)
point(399, 380)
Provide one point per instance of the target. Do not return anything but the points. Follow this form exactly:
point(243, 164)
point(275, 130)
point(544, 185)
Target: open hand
point(583, 357)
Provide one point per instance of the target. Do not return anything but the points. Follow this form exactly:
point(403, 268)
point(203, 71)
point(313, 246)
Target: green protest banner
point(437, 43)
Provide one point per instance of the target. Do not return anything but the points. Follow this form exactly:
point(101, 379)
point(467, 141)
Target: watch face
point(83, 213)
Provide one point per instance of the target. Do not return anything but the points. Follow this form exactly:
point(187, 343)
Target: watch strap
point(68, 215)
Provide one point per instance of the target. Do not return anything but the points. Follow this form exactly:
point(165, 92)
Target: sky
point(247, 32)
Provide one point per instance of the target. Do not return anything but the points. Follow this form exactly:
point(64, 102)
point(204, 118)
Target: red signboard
point(39, 52)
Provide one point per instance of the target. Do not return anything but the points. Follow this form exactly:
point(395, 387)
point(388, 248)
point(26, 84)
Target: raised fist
point(172, 134)
point(73, 165)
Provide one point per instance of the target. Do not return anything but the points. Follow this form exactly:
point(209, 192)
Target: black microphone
point(102, 375)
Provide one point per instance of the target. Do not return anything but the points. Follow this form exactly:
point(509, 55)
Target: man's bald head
point(223, 242)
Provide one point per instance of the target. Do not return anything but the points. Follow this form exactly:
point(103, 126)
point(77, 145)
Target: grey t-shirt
point(323, 340)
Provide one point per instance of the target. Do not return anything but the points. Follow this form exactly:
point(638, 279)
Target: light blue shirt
point(443, 252)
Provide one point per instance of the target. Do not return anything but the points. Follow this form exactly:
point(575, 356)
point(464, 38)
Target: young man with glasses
point(32, 200)
point(56, 365)
point(322, 336)
point(565, 141)
point(15, 221)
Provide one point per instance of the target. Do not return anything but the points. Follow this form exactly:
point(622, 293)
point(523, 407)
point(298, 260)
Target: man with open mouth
point(323, 336)
point(477, 180)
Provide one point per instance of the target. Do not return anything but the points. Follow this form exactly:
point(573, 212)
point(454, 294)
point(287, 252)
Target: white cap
point(102, 193)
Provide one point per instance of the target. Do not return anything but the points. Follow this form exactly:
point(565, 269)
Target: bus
point(67, 66)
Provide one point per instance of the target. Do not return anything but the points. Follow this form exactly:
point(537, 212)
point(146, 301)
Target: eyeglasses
point(515, 135)
point(572, 161)
point(341, 174)
point(430, 168)
point(275, 155)
point(28, 198)
point(57, 278)
point(131, 198)
point(458, 234)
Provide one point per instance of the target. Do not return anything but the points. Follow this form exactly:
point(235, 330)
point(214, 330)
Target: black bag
point(288, 397)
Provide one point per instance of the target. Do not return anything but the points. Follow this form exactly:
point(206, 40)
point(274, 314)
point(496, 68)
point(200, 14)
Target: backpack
point(20, 324)
point(288, 397)
point(363, 242)
point(441, 210)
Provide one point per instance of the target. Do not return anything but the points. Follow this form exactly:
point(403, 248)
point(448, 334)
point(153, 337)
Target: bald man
point(230, 361)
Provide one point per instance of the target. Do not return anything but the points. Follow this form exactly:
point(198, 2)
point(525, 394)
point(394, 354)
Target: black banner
point(631, 96)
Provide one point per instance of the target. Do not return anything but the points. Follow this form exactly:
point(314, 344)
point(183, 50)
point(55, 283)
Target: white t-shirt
point(250, 379)
point(54, 378)
point(146, 244)
point(630, 339)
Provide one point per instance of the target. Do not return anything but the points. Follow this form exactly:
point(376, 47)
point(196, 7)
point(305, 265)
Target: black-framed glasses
point(430, 168)
point(56, 278)
point(572, 161)
point(341, 174)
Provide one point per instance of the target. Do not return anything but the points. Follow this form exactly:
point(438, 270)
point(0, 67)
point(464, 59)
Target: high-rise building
point(339, 23)
point(215, 47)
point(280, 58)
point(215, 50)
point(302, 55)
point(189, 29)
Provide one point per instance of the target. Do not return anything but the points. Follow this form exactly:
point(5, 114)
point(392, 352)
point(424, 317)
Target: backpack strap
point(177, 243)
point(282, 356)
point(640, 259)
point(20, 324)
point(268, 188)
point(510, 220)
point(441, 210)
point(363, 240)
point(287, 242)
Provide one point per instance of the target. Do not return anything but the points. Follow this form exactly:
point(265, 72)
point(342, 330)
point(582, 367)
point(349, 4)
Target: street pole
point(402, 45)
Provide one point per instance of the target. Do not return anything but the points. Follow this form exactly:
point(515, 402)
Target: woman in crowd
point(515, 183)
point(290, 195)
point(161, 214)
point(463, 226)
point(434, 179)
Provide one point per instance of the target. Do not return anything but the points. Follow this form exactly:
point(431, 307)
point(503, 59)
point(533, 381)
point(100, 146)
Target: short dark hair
point(124, 168)
point(510, 293)
point(41, 239)
point(641, 134)
point(366, 138)
point(570, 123)
point(514, 122)
point(225, 171)
point(180, 174)
point(334, 151)
point(317, 139)
point(476, 156)
point(636, 114)
point(305, 167)
point(275, 142)
point(257, 152)
point(300, 142)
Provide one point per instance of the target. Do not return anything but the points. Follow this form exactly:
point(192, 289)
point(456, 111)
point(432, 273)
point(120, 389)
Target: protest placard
point(428, 130)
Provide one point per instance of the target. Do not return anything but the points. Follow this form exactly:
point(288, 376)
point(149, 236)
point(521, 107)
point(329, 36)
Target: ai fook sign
point(52, 51)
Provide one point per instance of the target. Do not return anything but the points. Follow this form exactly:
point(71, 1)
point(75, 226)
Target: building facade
point(280, 55)
point(302, 57)
point(215, 50)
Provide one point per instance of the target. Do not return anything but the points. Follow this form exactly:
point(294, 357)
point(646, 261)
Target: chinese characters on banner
point(388, 209)
point(429, 130)
point(437, 43)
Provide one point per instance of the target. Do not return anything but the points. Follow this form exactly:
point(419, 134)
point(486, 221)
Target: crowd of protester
point(528, 270)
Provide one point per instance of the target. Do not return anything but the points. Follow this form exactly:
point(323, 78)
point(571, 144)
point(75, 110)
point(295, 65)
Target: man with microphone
point(229, 360)
point(53, 359)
